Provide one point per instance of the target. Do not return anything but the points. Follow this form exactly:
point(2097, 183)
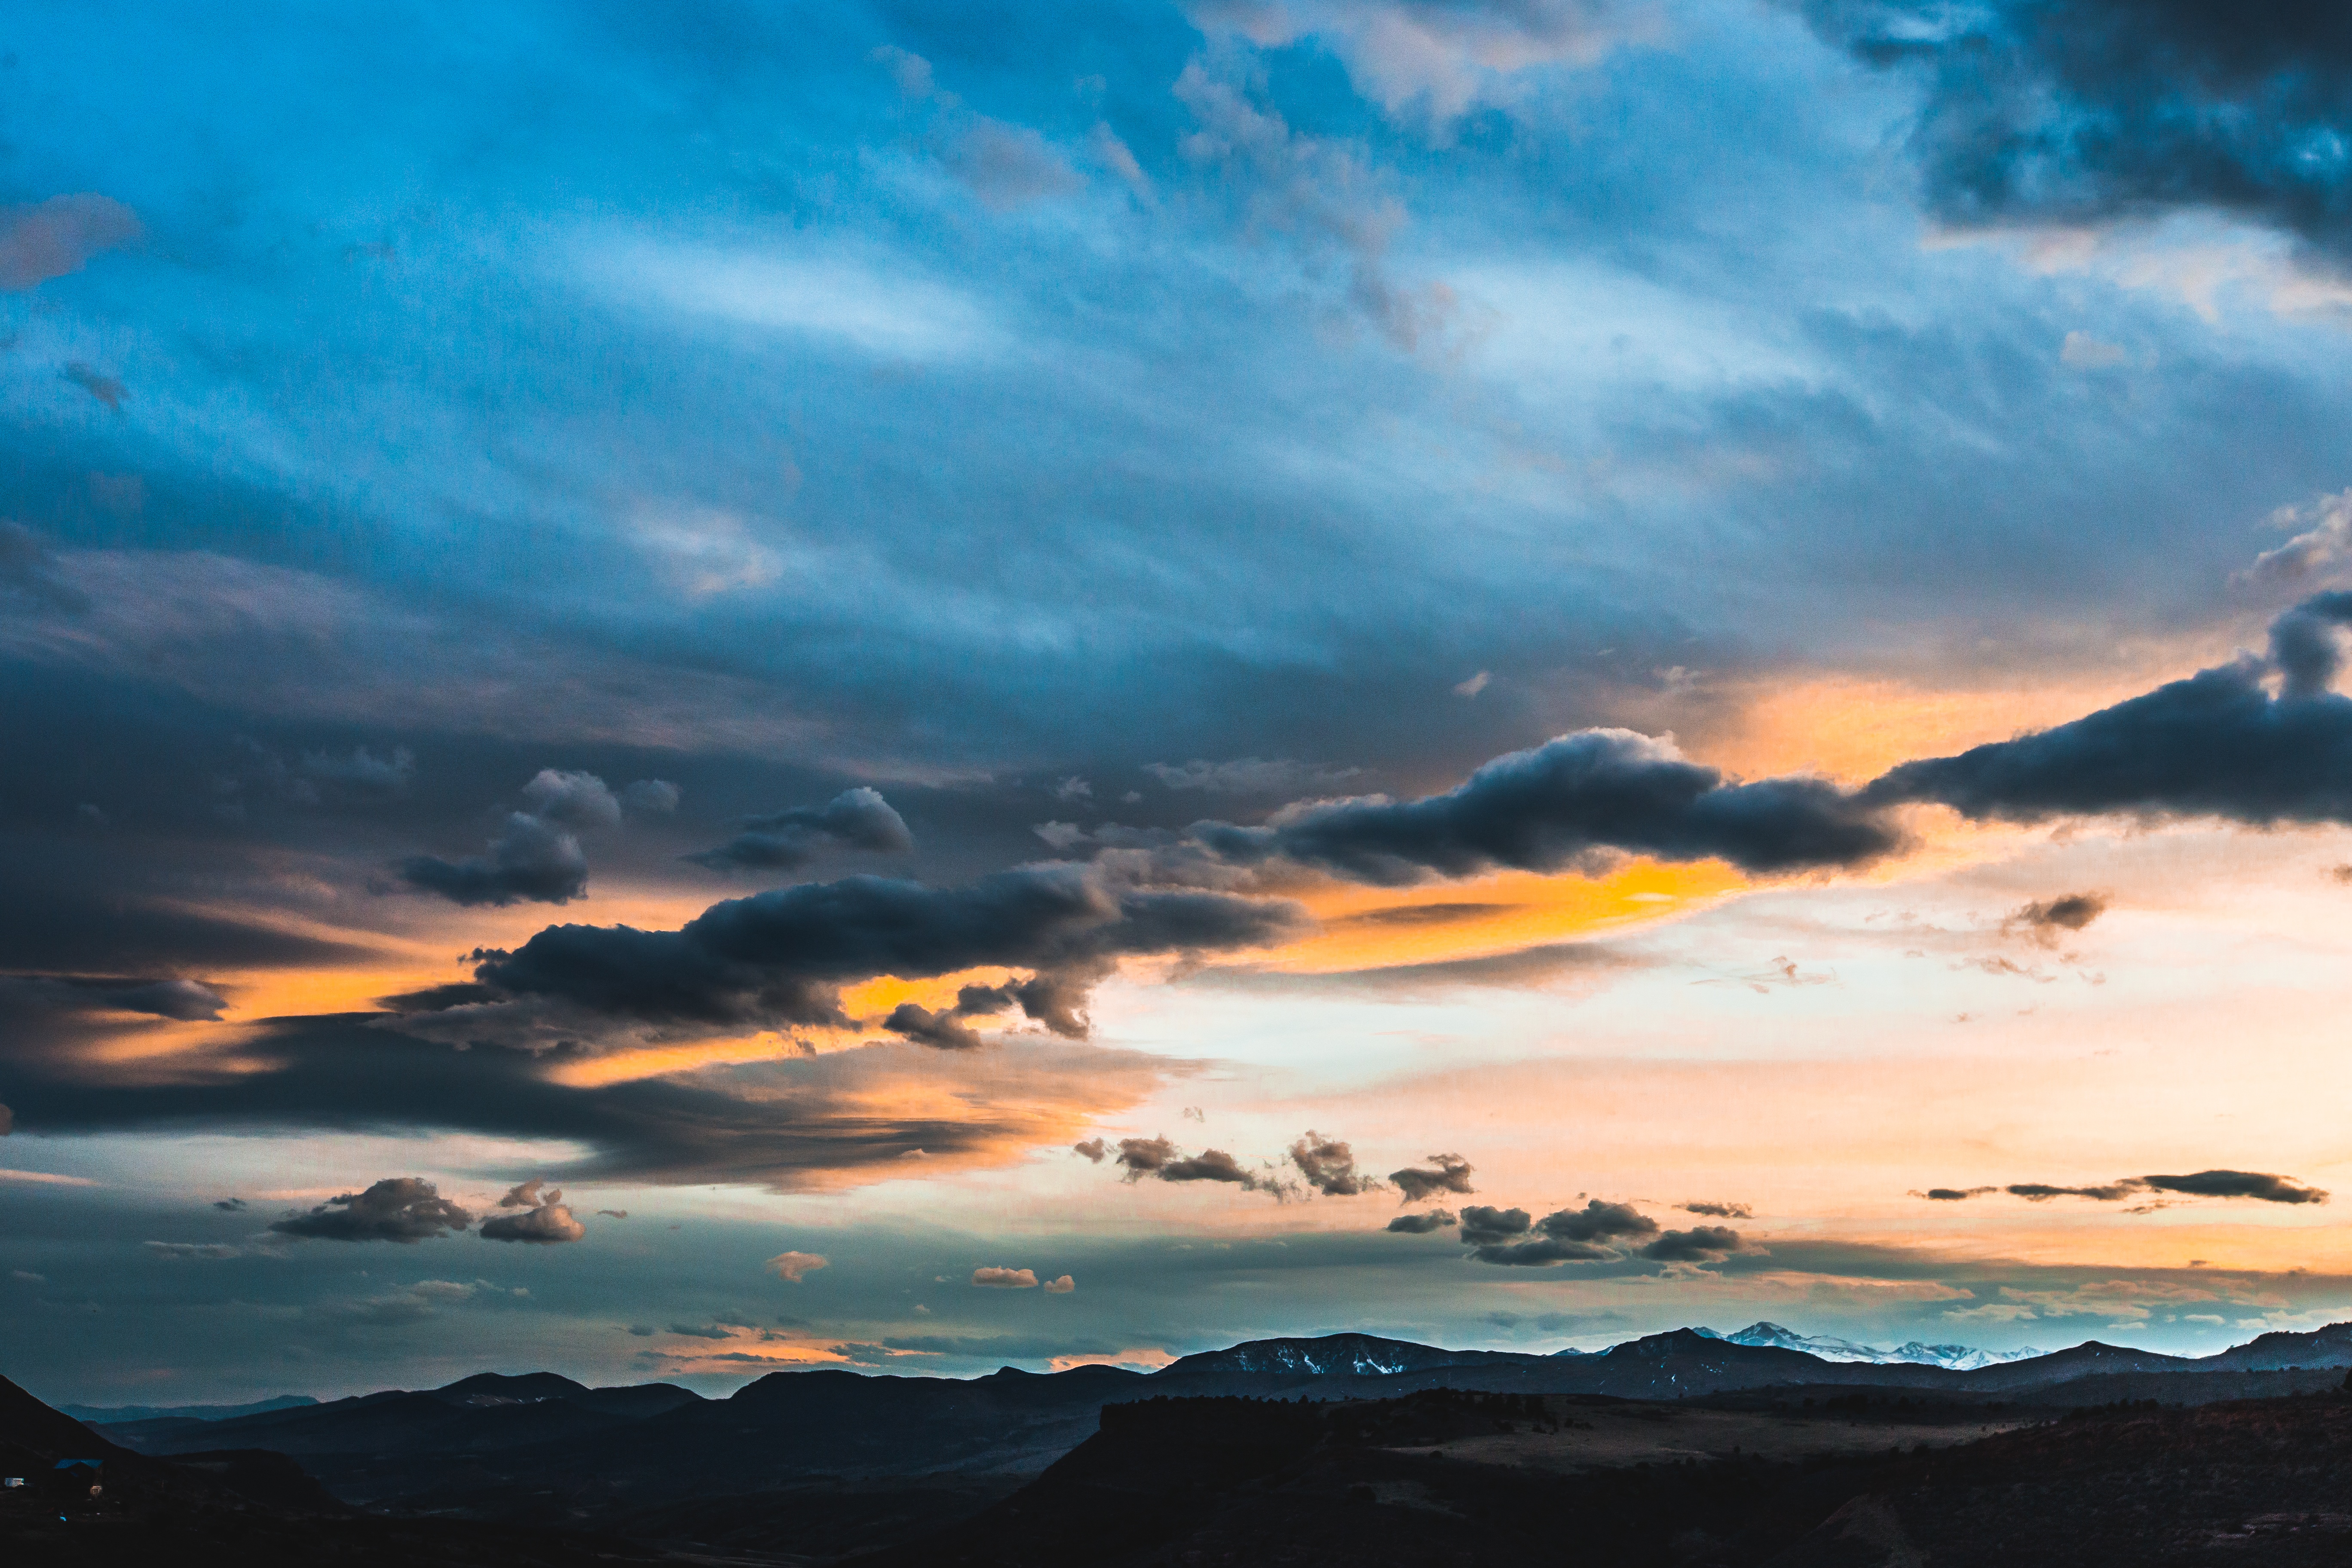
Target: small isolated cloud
point(57, 236)
point(98, 384)
point(539, 1217)
point(229, 1206)
point(1719, 1210)
point(399, 1208)
point(797, 1266)
point(1422, 1224)
point(1005, 1279)
point(573, 799)
point(2259, 1186)
point(1074, 789)
point(614, 1213)
point(529, 861)
point(657, 797)
point(1474, 685)
point(2081, 351)
point(27, 1277)
point(854, 819)
point(1062, 1286)
point(363, 775)
point(1330, 1166)
point(1159, 1157)
point(1442, 1174)
point(2050, 921)
point(186, 1251)
point(1093, 1149)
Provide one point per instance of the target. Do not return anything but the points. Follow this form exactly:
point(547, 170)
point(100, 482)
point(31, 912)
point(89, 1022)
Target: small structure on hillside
point(79, 1478)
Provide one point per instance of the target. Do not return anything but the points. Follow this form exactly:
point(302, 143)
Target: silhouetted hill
point(91, 1415)
point(1360, 1354)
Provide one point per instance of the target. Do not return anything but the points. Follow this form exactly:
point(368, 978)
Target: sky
point(727, 687)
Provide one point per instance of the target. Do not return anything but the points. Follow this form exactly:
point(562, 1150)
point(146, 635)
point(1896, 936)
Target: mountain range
point(1957, 1358)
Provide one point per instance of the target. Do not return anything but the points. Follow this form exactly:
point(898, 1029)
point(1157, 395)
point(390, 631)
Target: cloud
point(1443, 1174)
point(1440, 56)
point(2260, 1185)
point(528, 861)
point(2046, 921)
point(105, 388)
point(854, 819)
point(1159, 1157)
point(2081, 351)
point(2325, 540)
point(573, 799)
point(1061, 1286)
point(542, 1217)
point(656, 796)
point(1093, 1149)
point(51, 238)
point(1506, 1236)
point(1572, 804)
point(2217, 743)
point(2104, 110)
point(797, 1266)
point(1422, 1224)
point(362, 774)
point(1330, 1166)
point(1250, 777)
point(773, 960)
point(1005, 1279)
point(1719, 1210)
point(1008, 166)
point(230, 1205)
point(398, 1208)
point(30, 570)
point(1700, 1244)
point(614, 1213)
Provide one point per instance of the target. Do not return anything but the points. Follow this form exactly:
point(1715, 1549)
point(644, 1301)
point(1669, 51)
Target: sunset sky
point(697, 689)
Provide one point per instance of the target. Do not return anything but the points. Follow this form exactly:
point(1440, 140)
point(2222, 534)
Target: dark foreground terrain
point(1677, 1449)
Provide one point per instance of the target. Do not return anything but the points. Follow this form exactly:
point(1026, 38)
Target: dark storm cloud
point(1422, 1224)
point(1508, 1237)
point(2261, 1185)
point(926, 1027)
point(1330, 1166)
point(398, 1208)
point(1571, 804)
point(854, 819)
point(789, 1124)
point(2096, 109)
point(2216, 744)
point(774, 958)
point(1057, 1000)
point(23, 998)
point(1443, 1174)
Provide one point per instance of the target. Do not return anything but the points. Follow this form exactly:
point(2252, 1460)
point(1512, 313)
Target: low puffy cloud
point(854, 819)
point(1005, 1279)
point(54, 237)
point(656, 797)
point(2260, 1185)
point(573, 799)
point(398, 1208)
point(1330, 1166)
point(1093, 1149)
point(1700, 1244)
point(530, 861)
point(1159, 1157)
point(2322, 542)
point(1718, 1210)
point(1508, 1236)
point(1575, 803)
point(541, 1217)
point(1442, 1174)
point(1056, 1000)
point(1422, 1224)
point(1061, 1286)
point(797, 1266)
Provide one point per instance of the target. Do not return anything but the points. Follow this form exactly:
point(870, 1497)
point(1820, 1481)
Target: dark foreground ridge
point(1737, 1443)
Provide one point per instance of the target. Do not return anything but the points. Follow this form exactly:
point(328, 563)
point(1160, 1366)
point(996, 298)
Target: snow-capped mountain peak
point(1958, 1358)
